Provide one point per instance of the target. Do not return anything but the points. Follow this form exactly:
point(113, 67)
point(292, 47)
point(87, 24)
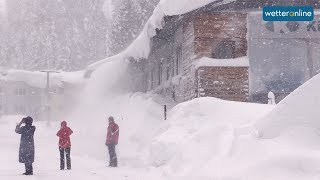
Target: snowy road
point(46, 166)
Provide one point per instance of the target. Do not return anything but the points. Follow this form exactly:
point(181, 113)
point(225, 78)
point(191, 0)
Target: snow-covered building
point(223, 50)
point(200, 53)
point(25, 93)
point(283, 55)
point(19, 98)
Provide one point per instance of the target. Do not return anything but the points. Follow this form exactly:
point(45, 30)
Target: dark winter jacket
point(64, 135)
point(112, 134)
point(26, 150)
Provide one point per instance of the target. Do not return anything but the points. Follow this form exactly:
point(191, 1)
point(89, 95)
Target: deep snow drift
point(200, 139)
point(299, 109)
point(206, 138)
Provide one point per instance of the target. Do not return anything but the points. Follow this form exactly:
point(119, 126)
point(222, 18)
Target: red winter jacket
point(112, 134)
point(64, 135)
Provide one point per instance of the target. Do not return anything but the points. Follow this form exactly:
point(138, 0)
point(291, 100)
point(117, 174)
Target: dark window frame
point(178, 60)
point(160, 69)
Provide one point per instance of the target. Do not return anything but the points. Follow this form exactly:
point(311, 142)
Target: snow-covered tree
point(54, 34)
point(69, 34)
point(129, 17)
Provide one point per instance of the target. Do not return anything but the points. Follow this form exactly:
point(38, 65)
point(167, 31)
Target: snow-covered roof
point(32, 78)
point(140, 48)
point(75, 77)
point(210, 62)
point(39, 79)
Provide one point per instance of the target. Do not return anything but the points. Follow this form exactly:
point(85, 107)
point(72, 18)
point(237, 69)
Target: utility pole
point(48, 100)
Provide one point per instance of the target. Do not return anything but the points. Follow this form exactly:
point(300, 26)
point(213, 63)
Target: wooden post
point(165, 112)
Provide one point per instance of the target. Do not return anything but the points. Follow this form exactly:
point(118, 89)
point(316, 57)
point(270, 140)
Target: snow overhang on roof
point(140, 48)
point(32, 78)
point(38, 79)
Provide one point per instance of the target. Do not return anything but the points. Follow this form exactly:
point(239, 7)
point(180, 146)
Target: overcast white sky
point(2, 6)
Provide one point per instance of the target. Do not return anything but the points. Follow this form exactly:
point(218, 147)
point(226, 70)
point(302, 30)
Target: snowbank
point(299, 109)
point(200, 142)
point(199, 129)
point(210, 62)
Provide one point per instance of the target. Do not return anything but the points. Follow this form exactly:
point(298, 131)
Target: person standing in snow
point(64, 145)
point(112, 141)
point(26, 149)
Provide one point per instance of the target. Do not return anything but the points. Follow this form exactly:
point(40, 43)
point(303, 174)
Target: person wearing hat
point(112, 141)
point(64, 144)
point(26, 149)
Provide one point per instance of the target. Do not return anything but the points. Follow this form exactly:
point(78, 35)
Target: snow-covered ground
point(205, 138)
point(148, 144)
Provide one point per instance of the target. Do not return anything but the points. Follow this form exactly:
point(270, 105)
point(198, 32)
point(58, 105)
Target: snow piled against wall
point(201, 139)
point(210, 62)
point(199, 131)
point(140, 48)
point(299, 109)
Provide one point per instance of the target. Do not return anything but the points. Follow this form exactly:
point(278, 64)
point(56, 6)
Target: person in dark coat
point(64, 144)
point(26, 149)
point(112, 141)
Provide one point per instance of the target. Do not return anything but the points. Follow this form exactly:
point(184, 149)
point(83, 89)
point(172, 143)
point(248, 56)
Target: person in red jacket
point(112, 141)
point(64, 144)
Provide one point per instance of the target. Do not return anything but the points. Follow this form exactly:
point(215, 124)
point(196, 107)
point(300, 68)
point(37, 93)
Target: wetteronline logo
point(288, 13)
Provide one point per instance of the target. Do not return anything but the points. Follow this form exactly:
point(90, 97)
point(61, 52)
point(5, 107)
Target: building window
point(172, 65)
point(225, 50)
point(159, 73)
point(168, 69)
point(168, 73)
point(20, 92)
point(145, 82)
point(173, 93)
point(152, 78)
point(178, 61)
point(149, 81)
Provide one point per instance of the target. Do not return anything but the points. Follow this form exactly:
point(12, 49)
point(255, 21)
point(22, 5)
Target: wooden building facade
point(203, 53)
